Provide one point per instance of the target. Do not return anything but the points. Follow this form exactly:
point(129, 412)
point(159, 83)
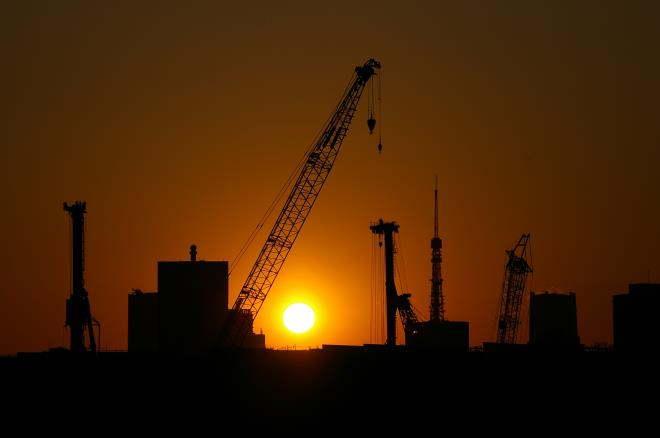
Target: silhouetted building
point(444, 335)
point(635, 317)
point(142, 322)
point(553, 319)
point(189, 312)
point(192, 305)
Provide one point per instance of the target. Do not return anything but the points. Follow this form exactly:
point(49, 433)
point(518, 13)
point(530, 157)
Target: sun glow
point(298, 318)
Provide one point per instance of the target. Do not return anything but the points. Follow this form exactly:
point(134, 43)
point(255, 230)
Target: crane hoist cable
point(400, 264)
point(378, 304)
point(371, 122)
point(380, 113)
point(267, 213)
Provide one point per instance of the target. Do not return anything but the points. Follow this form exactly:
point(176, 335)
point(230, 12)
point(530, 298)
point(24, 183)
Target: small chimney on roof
point(193, 253)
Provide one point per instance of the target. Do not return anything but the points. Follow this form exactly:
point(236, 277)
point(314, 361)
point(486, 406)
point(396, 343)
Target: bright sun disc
point(298, 317)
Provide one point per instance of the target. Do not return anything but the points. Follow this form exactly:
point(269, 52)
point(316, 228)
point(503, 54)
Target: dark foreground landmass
point(335, 384)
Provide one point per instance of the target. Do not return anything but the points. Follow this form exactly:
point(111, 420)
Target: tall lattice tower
point(437, 299)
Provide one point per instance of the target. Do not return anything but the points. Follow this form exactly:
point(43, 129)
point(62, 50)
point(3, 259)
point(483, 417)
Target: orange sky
point(178, 122)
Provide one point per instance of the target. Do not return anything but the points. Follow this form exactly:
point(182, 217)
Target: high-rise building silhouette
point(142, 322)
point(192, 304)
point(635, 321)
point(553, 319)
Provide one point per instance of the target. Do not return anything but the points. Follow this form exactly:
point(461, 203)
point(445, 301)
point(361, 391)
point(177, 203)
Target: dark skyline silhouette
point(179, 123)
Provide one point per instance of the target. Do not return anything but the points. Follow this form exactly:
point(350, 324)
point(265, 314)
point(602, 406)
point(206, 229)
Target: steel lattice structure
point(297, 207)
point(408, 316)
point(513, 290)
point(437, 307)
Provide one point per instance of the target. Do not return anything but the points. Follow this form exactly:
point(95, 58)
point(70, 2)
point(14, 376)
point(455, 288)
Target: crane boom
point(513, 289)
point(298, 205)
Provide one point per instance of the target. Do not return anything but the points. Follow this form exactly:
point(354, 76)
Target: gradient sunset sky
point(178, 122)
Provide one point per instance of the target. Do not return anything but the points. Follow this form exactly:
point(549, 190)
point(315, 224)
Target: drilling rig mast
point(78, 313)
point(513, 290)
point(387, 229)
point(394, 301)
point(297, 207)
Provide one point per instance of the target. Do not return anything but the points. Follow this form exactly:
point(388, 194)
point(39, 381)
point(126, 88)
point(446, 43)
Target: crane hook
point(371, 124)
point(380, 147)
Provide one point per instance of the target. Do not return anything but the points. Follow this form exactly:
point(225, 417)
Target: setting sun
point(298, 318)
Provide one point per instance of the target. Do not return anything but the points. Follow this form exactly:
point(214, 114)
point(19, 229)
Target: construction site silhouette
point(192, 352)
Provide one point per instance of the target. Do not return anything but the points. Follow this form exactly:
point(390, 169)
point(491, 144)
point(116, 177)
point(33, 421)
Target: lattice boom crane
point(297, 207)
point(513, 290)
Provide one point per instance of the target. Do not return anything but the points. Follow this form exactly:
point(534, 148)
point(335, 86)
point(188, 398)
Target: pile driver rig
point(78, 313)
